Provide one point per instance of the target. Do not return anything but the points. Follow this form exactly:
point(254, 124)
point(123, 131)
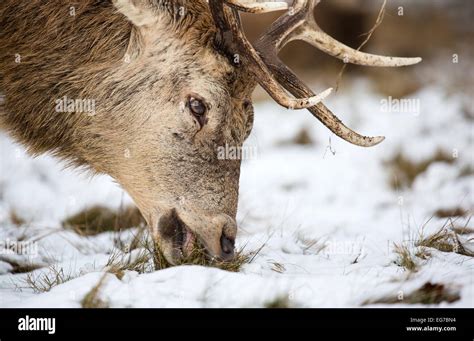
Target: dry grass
point(150, 258)
point(404, 171)
point(313, 246)
point(444, 240)
point(461, 230)
point(405, 258)
point(440, 240)
point(92, 298)
point(45, 281)
point(98, 219)
point(278, 267)
point(429, 293)
point(138, 240)
point(198, 256)
point(423, 253)
point(119, 262)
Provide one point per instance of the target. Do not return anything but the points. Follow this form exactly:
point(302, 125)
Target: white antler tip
point(272, 5)
point(259, 7)
point(407, 61)
point(376, 140)
point(318, 98)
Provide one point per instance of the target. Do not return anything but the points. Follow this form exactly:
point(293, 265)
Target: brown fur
point(139, 134)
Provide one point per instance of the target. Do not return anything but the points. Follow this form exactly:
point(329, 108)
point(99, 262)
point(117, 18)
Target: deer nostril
point(227, 245)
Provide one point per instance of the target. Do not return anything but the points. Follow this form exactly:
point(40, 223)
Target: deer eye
point(197, 106)
point(198, 109)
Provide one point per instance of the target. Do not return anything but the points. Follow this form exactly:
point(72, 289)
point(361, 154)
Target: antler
point(228, 21)
point(274, 76)
point(258, 7)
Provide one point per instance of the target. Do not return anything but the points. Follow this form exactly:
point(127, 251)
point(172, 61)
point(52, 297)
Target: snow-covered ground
point(325, 213)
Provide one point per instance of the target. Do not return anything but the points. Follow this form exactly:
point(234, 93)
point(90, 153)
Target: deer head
point(185, 90)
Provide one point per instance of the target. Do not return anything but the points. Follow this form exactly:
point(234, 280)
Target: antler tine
point(251, 6)
point(300, 24)
point(229, 22)
point(296, 87)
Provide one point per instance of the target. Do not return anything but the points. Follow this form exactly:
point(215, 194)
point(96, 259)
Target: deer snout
point(182, 230)
point(217, 235)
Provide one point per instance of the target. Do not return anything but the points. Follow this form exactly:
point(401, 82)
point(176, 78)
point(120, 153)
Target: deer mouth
point(185, 240)
point(177, 236)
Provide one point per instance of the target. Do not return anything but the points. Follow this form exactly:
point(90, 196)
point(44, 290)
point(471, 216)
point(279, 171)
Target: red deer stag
point(170, 82)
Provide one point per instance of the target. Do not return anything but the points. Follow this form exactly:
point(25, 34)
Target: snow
point(325, 213)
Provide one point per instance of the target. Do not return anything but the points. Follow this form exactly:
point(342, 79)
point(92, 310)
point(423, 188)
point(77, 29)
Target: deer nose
point(227, 246)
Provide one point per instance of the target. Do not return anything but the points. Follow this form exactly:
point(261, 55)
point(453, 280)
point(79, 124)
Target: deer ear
point(139, 12)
